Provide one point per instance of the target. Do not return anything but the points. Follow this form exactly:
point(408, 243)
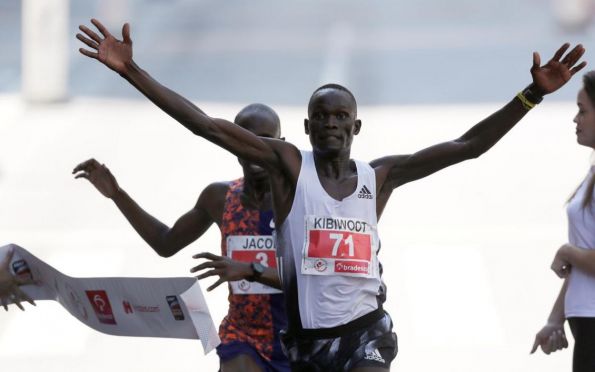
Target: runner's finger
point(100, 27)
point(209, 273)
point(560, 52)
point(88, 53)
point(217, 283)
point(202, 266)
point(575, 69)
point(208, 255)
point(574, 55)
point(83, 165)
point(82, 175)
point(536, 61)
point(23, 296)
point(17, 302)
point(90, 33)
point(126, 33)
point(90, 43)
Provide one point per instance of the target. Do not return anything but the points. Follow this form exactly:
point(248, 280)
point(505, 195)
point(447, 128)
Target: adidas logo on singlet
point(365, 193)
point(375, 356)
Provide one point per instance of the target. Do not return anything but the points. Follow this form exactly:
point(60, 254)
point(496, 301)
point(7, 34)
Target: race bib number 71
point(339, 246)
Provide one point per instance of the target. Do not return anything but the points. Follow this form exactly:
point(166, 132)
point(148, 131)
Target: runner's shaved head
point(254, 113)
point(330, 87)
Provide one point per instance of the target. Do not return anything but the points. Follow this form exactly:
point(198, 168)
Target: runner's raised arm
point(117, 54)
point(164, 240)
point(394, 171)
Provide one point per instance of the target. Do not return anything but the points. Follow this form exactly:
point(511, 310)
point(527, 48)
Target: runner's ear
point(306, 127)
point(358, 126)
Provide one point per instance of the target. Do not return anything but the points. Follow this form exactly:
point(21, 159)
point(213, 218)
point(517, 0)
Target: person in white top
point(575, 260)
point(326, 205)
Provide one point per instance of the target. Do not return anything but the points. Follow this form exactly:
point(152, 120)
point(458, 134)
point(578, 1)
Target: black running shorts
point(366, 342)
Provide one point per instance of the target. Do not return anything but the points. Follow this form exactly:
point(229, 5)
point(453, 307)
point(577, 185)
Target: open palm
point(558, 70)
point(113, 53)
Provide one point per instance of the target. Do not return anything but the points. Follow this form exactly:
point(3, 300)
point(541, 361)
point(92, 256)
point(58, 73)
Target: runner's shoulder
point(215, 191)
point(391, 161)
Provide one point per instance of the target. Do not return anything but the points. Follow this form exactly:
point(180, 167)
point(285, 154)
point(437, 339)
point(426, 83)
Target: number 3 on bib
point(339, 246)
point(263, 258)
point(247, 248)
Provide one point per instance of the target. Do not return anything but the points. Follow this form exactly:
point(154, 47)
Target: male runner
point(242, 209)
point(326, 204)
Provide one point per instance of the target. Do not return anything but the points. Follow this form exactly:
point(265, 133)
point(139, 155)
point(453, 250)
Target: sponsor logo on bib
point(244, 285)
point(320, 265)
point(354, 267)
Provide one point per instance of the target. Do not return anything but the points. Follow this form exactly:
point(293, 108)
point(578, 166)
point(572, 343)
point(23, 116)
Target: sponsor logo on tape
point(21, 270)
point(175, 307)
point(102, 307)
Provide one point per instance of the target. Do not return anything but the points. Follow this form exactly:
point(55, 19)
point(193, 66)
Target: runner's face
point(263, 125)
point(332, 122)
point(585, 120)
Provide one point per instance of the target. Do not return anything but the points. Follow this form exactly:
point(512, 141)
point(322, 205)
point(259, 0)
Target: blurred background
point(466, 252)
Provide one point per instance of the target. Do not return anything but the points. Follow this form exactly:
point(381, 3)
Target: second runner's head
point(332, 120)
point(264, 122)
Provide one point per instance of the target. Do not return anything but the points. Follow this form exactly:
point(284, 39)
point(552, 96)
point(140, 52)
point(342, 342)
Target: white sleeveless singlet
point(330, 266)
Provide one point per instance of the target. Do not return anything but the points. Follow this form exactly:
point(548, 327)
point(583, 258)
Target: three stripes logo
point(375, 356)
point(365, 193)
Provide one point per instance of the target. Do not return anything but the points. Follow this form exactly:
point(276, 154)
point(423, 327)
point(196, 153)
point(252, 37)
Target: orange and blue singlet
point(253, 321)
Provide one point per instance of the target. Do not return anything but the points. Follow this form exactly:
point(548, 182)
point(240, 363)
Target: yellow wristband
point(528, 105)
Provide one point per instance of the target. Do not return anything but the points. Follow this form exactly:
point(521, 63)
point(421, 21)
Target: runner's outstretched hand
point(99, 175)
point(558, 70)
point(9, 285)
point(227, 269)
point(115, 54)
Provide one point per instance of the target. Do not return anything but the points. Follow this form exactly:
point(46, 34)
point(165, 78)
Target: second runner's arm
point(164, 240)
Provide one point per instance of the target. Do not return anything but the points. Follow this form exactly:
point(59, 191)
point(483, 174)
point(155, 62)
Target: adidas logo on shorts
point(365, 193)
point(375, 356)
